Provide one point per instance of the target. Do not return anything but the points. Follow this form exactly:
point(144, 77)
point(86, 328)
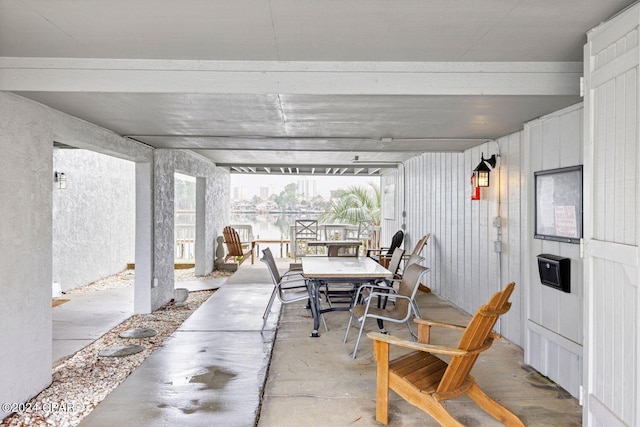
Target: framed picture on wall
point(558, 194)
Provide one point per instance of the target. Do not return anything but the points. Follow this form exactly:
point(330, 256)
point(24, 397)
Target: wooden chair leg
point(438, 412)
point(493, 408)
point(381, 355)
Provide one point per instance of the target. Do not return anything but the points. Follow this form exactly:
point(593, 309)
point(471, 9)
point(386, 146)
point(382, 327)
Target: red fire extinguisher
point(475, 190)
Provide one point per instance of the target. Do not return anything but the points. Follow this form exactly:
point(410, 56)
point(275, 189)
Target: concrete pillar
point(201, 212)
point(144, 280)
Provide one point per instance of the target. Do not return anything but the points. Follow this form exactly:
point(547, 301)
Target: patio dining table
point(322, 270)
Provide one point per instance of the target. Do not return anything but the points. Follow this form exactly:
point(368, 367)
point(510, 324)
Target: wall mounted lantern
point(482, 171)
point(61, 179)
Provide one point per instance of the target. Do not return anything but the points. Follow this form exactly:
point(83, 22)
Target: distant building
point(307, 188)
point(264, 192)
point(239, 193)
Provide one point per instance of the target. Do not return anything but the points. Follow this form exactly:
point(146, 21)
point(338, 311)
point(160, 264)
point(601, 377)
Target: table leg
point(312, 287)
point(383, 306)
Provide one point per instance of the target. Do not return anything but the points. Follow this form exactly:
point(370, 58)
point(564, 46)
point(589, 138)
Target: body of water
point(269, 226)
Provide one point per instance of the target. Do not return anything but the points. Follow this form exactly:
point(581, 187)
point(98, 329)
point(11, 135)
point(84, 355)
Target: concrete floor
point(89, 315)
point(218, 368)
point(86, 317)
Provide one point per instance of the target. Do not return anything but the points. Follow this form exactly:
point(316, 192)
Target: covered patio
point(415, 93)
point(282, 377)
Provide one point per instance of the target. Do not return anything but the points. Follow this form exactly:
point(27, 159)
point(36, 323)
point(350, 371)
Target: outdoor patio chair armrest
point(368, 286)
point(291, 273)
point(291, 288)
point(291, 280)
point(429, 348)
point(393, 296)
point(376, 251)
point(428, 322)
point(386, 294)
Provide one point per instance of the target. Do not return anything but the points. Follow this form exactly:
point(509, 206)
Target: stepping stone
point(121, 351)
point(138, 333)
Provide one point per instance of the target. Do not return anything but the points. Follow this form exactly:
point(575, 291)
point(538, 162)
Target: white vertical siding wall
point(554, 318)
point(612, 232)
point(465, 269)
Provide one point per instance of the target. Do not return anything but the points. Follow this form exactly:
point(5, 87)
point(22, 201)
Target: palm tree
point(353, 205)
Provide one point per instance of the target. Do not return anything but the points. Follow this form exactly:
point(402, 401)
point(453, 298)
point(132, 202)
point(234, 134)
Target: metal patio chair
point(288, 288)
point(401, 310)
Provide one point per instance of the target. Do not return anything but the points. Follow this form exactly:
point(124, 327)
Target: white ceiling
point(267, 83)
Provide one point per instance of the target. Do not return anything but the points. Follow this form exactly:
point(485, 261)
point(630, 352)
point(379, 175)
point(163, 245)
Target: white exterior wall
point(554, 334)
point(25, 254)
point(27, 132)
point(93, 218)
point(612, 230)
point(466, 269)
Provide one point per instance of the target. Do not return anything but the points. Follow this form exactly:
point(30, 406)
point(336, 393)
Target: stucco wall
point(216, 215)
point(93, 218)
point(25, 254)
point(27, 132)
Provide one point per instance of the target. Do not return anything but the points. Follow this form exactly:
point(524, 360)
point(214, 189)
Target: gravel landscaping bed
point(83, 380)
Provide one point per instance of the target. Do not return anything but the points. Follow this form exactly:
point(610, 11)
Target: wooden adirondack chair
point(234, 246)
point(417, 250)
point(425, 381)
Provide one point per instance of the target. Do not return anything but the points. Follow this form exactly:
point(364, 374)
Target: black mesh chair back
point(396, 241)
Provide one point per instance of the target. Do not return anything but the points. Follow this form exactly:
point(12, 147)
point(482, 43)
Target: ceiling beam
point(289, 77)
point(256, 143)
point(361, 166)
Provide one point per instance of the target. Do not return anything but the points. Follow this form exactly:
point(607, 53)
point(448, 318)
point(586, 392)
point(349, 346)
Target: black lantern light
point(482, 171)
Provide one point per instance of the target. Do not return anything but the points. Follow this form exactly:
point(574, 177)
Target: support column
point(144, 238)
point(201, 210)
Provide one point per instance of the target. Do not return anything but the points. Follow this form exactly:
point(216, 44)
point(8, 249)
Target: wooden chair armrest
point(430, 348)
point(439, 324)
point(424, 326)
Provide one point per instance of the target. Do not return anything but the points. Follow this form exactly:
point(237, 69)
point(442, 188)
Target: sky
point(324, 184)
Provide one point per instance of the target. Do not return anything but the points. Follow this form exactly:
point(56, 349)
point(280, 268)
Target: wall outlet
point(497, 222)
point(497, 246)
point(154, 283)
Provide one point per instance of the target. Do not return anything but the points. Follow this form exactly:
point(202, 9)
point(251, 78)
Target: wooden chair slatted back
point(475, 339)
point(232, 240)
point(421, 244)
